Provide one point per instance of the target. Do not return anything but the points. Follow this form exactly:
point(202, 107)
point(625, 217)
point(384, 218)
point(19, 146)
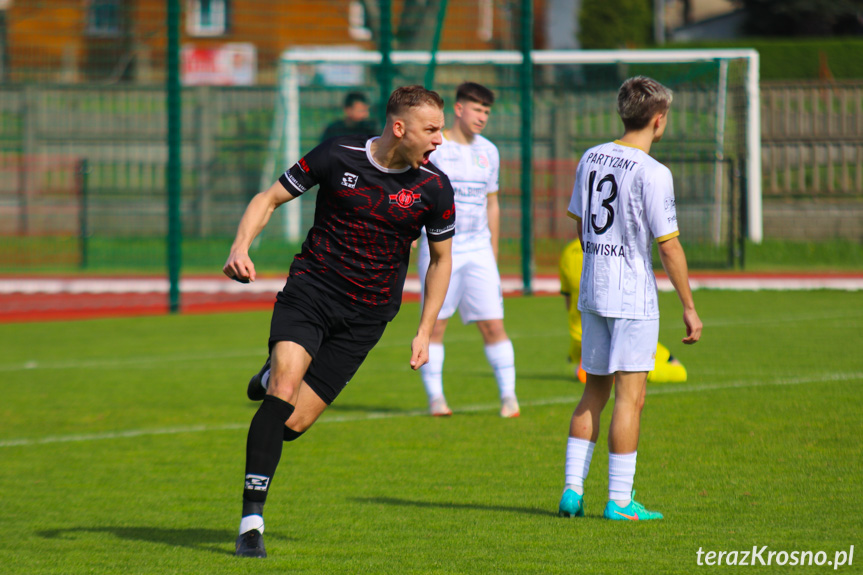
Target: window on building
point(485, 27)
point(358, 28)
point(103, 18)
point(207, 17)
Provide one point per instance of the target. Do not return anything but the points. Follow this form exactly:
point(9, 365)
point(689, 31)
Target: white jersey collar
point(377, 165)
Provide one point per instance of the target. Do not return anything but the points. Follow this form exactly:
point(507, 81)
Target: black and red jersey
point(366, 217)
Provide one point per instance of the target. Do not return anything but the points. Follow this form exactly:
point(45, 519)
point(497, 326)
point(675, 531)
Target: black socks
point(263, 451)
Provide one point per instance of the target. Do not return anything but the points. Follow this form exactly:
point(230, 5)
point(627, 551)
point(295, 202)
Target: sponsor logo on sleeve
point(303, 165)
point(439, 231)
point(294, 182)
point(669, 204)
point(350, 180)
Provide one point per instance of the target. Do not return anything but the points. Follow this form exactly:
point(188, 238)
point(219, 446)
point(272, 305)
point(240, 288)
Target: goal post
point(714, 123)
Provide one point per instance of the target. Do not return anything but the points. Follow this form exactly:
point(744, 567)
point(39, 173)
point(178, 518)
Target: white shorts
point(474, 287)
point(611, 344)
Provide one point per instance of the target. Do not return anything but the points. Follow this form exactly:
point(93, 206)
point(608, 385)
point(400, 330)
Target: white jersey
point(473, 172)
point(624, 199)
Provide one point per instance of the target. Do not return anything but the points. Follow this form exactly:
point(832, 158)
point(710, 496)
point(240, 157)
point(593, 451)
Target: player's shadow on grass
point(388, 409)
point(564, 377)
point(451, 505)
point(212, 540)
point(345, 408)
point(486, 377)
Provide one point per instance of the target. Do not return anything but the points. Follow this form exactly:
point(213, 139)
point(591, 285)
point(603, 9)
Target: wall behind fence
point(85, 81)
point(812, 160)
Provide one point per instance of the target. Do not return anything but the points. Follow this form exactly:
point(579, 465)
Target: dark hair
point(639, 99)
point(412, 97)
point(473, 92)
point(354, 97)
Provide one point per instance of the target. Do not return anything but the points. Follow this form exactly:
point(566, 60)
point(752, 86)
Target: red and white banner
point(233, 64)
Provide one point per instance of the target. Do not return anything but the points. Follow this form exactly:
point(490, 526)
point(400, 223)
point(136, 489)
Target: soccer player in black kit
point(375, 196)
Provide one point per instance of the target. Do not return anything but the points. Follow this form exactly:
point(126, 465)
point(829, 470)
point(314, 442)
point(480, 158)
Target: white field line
point(510, 284)
point(669, 324)
point(155, 360)
point(370, 416)
point(152, 361)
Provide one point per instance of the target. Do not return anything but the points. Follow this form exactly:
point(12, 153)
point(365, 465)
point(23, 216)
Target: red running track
point(28, 298)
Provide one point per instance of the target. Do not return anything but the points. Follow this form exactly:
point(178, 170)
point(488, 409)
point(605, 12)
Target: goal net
point(711, 144)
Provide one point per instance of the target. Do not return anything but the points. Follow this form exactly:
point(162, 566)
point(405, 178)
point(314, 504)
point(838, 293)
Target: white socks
point(578, 455)
point(432, 372)
point(501, 357)
point(621, 475)
point(250, 522)
point(621, 470)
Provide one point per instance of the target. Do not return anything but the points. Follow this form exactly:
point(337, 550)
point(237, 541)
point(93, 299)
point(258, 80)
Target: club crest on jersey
point(350, 180)
point(405, 198)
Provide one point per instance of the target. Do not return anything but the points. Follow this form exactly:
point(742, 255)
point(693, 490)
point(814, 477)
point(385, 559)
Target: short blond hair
point(411, 97)
point(639, 99)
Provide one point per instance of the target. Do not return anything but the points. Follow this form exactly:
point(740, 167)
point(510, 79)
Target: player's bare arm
point(494, 222)
point(239, 265)
point(437, 282)
point(674, 262)
point(579, 231)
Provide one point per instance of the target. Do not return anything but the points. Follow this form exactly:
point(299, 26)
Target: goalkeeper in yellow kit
point(667, 369)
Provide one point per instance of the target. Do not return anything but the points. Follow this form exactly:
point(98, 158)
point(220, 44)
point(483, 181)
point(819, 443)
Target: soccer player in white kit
point(472, 164)
point(622, 200)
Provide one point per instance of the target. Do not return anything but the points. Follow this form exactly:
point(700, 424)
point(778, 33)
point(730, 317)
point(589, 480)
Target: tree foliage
point(610, 24)
point(803, 17)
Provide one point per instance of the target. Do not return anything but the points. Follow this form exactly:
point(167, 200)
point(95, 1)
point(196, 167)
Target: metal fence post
point(28, 110)
point(526, 81)
point(206, 153)
point(83, 224)
point(430, 70)
point(744, 210)
point(174, 172)
point(386, 72)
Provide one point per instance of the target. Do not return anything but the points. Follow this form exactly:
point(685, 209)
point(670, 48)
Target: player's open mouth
point(426, 156)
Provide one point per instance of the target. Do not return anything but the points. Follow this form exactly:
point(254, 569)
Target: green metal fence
point(145, 127)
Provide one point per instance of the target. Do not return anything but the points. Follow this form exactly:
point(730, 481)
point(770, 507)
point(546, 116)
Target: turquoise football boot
point(635, 511)
point(571, 504)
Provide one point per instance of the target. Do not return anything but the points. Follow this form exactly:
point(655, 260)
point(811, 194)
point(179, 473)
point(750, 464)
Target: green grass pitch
point(122, 448)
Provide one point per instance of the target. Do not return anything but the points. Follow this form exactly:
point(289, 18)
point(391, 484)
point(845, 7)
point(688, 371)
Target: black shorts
point(337, 338)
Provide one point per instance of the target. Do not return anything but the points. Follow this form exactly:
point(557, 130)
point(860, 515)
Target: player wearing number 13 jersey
point(622, 200)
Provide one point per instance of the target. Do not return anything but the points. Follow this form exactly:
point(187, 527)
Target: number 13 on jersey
point(606, 192)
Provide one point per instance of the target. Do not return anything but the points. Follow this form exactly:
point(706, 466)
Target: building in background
point(691, 20)
point(112, 41)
